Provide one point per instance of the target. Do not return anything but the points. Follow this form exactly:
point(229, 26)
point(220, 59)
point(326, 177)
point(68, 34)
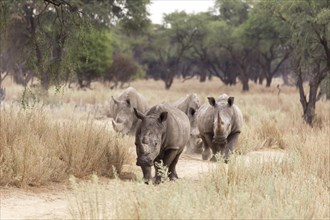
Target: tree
point(94, 57)
point(128, 49)
point(325, 88)
point(208, 58)
point(53, 29)
point(41, 30)
point(231, 35)
point(123, 69)
point(168, 46)
point(309, 23)
point(269, 34)
point(234, 12)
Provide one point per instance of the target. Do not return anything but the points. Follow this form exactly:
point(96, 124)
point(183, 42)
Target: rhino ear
point(115, 100)
point(231, 100)
point(211, 101)
point(162, 117)
point(139, 114)
point(191, 111)
point(128, 102)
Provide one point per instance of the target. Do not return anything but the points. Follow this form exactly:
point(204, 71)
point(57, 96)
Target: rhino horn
point(117, 126)
point(144, 149)
point(139, 114)
point(220, 123)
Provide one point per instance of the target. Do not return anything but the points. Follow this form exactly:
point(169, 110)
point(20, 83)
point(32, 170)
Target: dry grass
point(36, 149)
point(62, 137)
point(268, 190)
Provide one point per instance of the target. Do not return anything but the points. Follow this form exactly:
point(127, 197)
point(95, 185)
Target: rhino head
point(222, 122)
point(148, 140)
point(124, 119)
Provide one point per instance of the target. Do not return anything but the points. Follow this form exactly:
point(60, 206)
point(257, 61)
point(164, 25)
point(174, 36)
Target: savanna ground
point(61, 159)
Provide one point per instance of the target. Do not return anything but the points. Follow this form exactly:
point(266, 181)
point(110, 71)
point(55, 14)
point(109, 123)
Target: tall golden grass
point(259, 190)
point(37, 149)
point(60, 136)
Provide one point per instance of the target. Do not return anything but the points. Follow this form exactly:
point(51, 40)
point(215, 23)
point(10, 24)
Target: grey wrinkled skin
point(161, 136)
point(219, 123)
point(121, 109)
point(190, 105)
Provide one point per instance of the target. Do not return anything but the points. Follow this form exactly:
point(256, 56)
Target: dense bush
point(123, 69)
point(95, 57)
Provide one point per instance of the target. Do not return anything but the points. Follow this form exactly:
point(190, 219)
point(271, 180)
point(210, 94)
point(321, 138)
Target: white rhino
point(121, 110)
point(219, 123)
point(161, 136)
point(190, 105)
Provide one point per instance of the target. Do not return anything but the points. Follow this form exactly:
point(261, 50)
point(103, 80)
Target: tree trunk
point(246, 87)
point(245, 80)
point(58, 54)
point(168, 80)
point(232, 79)
point(202, 76)
point(309, 106)
point(44, 78)
point(309, 111)
point(255, 80)
point(285, 77)
point(309, 114)
point(168, 83)
point(268, 81)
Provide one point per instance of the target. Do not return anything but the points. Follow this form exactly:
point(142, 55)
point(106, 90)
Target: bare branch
point(280, 63)
point(58, 3)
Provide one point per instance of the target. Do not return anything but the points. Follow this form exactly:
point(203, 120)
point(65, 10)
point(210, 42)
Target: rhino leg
point(207, 140)
point(216, 148)
point(199, 147)
point(146, 173)
point(172, 169)
point(232, 141)
point(168, 158)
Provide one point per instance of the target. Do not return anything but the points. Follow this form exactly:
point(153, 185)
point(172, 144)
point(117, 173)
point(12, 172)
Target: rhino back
point(137, 100)
point(182, 104)
point(186, 102)
point(237, 119)
point(141, 102)
point(177, 126)
point(205, 118)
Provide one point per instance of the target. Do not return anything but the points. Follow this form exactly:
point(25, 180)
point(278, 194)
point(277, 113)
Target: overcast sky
point(158, 7)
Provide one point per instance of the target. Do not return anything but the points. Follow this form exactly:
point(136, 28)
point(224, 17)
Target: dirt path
point(47, 203)
point(52, 202)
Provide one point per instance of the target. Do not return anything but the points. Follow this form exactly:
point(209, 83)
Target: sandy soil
point(51, 202)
